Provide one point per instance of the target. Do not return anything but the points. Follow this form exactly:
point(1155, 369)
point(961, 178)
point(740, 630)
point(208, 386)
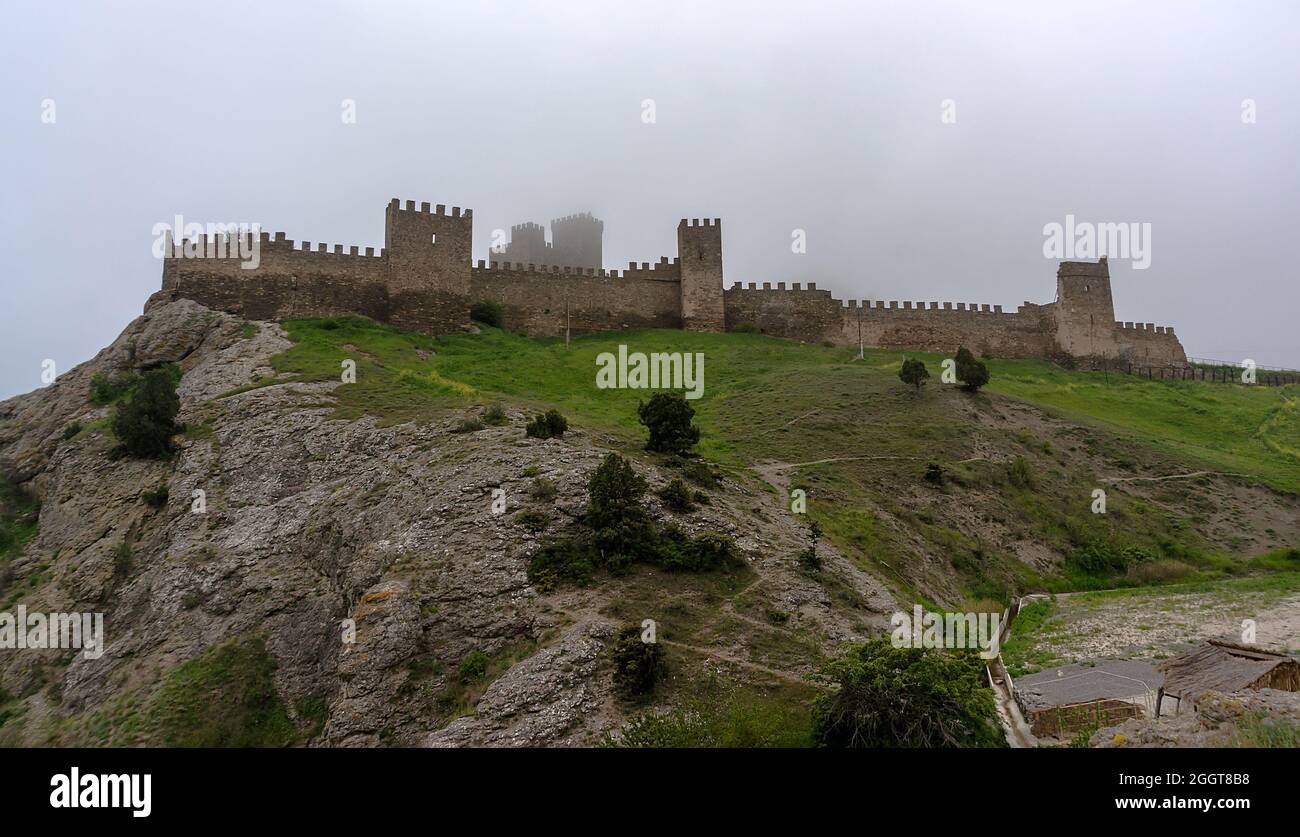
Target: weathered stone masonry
point(423, 279)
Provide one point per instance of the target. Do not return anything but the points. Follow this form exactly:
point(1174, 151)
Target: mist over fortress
point(424, 279)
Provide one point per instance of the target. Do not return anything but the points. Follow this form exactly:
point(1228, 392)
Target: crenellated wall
point(423, 280)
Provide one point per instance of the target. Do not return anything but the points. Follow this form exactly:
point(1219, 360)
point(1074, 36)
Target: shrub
point(934, 473)
point(547, 425)
point(809, 560)
point(542, 490)
point(905, 697)
point(494, 416)
point(972, 373)
point(637, 665)
point(105, 389)
point(1019, 473)
point(123, 559)
point(676, 551)
point(488, 312)
point(468, 425)
point(473, 667)
point(700, 474)
point(677, 496)
point(668, 417)
point(156, 497)
point(145, 421)
point(913, 372)
point(562, 560)
point(535, 522)
point(71, 430)
point(745, 328)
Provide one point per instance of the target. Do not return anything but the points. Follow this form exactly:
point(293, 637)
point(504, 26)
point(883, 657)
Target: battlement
point(1147, 328)
point(424, 279)
point(439, 209)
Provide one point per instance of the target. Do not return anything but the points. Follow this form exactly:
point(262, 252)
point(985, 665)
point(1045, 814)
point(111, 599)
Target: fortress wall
point(598, 300)
point(1147, 342)
point(797, 313)
point(943, 326)
point(290, 281)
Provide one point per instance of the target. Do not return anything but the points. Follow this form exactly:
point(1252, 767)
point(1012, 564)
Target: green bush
point(934, 473)
point(534, 522)
point(105, 389)
point(562, 560)
point(156, 497)
point(145, 421)
point(668, 417)
point(700, 473)
point(542, 490)
point(71, 430)
point(637, 665)
point(547, 425)
point(676, 496)
point(494, 416)
point(488, 312)
point(913, 372)
point(1019, 473)
point(905, 697)
point(123, 561)
point(619, 523)
point(745, 328)
point(473, 667)
point(468, 425)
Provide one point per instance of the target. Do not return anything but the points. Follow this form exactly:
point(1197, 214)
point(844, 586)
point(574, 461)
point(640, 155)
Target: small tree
point(668, 417)
point(913, 372)
point(637, 664)
point(972, 373)
point(619, 523)
point(145, 422)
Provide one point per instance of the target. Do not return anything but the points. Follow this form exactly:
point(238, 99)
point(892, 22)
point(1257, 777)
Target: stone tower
point(1085, 311)
point(699, 251)
point(428, 275)
point(577, 241)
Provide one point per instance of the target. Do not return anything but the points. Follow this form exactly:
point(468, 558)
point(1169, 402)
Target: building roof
point(1069, 685)
point(1220, 667)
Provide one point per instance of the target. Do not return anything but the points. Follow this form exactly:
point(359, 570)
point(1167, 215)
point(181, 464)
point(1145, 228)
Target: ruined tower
point(1085, 311)
point(428, 276)
point(699, 250)
point(577, 241)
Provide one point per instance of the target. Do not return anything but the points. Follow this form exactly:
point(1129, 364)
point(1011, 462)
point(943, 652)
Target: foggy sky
point(820, 117)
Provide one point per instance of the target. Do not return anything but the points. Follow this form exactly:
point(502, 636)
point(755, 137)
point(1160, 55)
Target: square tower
point(699, 253)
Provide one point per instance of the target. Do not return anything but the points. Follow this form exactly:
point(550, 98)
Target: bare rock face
point(368, 557)
point(1220, 720)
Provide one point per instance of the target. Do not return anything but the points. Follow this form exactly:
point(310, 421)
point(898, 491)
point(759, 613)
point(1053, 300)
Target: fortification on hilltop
point(576, 241)
point(423, 279)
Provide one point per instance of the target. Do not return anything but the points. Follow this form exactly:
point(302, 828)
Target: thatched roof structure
point(1225, 667)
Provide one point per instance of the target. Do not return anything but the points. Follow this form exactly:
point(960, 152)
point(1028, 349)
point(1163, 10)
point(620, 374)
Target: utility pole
point(566, 324)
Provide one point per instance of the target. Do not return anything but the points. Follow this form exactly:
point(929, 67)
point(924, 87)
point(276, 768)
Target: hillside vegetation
point(1012, 470)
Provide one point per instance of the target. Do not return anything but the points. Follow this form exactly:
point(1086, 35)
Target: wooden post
point(566, 324)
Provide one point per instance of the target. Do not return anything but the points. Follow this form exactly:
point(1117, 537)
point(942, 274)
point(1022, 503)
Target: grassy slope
point(769, 400)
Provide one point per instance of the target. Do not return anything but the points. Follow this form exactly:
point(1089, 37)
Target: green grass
point(225, 697)
point(774, 400)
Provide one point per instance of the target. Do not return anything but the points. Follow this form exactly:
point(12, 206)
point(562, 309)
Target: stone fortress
point(424, 279)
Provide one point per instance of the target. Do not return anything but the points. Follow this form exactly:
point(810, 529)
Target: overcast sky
point(825, 118)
